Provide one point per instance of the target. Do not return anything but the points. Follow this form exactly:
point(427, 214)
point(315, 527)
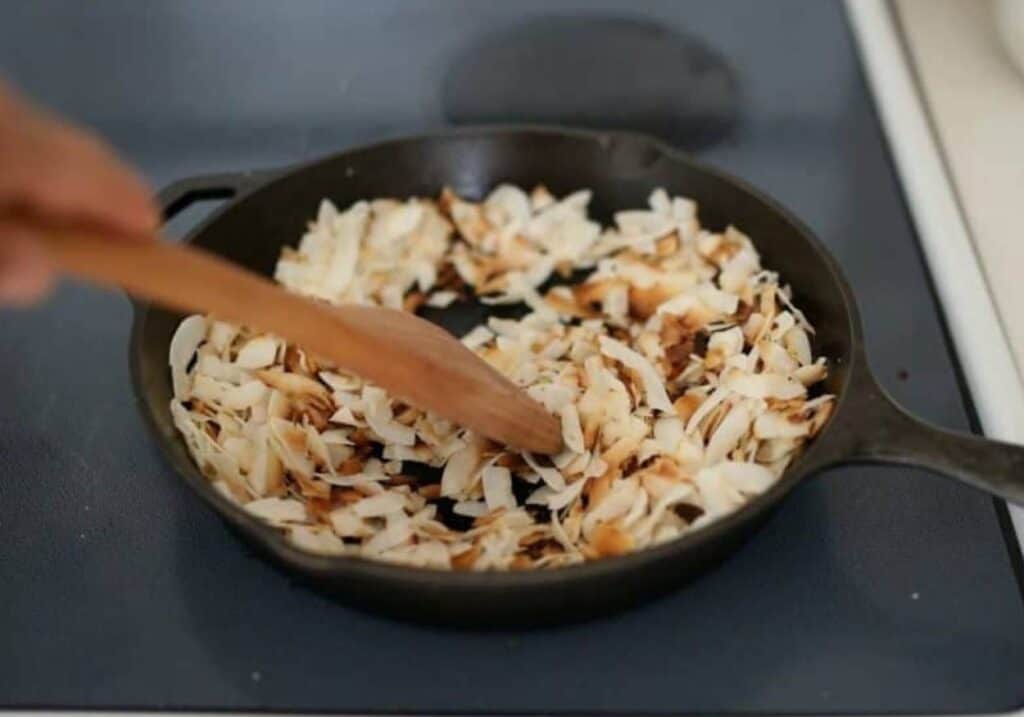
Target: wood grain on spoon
point(410, 357)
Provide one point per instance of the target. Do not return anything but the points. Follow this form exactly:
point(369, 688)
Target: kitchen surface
point(975, 99)
point(872, 590)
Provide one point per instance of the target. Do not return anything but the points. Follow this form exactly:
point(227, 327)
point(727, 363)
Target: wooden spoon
point(410, 357)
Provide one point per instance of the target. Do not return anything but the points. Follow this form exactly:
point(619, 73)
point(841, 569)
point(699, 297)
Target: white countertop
point(974, 97)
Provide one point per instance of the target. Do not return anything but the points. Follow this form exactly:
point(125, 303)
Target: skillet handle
point(177, 196)
point(885, 432)
point(181, 194)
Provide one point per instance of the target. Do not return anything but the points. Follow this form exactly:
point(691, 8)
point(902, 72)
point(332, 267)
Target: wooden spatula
point(410, 357)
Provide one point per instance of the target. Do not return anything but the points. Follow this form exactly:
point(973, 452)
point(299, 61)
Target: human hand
point(52, 173)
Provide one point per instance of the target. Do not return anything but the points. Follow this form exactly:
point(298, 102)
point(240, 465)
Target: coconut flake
point(186, 340)
point(765, 385)
point(377, 409)
point(395, 533)
point(259, 352)
point(728, 434)
point(379, 505)
point(654, 388)
point(277, 511)
point(471, 508)
point(775, 425)
point(476, 338)
point(248, 395)
point(552, 476)
point(497, 482)
point(316, 540)
point(798, 345)
point(348, 230)
point(442, 299)
point(572, 432)
point(460, 470)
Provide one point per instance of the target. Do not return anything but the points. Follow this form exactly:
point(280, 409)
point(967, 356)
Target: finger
point(26, 272)
point(62, 173)
point(135, 209)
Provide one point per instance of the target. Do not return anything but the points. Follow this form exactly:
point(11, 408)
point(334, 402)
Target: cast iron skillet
point(270, 209)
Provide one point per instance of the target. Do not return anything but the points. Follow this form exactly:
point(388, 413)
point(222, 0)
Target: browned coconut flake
point(680, 369)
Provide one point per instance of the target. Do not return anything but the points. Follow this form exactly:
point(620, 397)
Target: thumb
point(26, 272)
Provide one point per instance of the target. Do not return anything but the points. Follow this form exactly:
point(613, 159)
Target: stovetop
point(871, 590)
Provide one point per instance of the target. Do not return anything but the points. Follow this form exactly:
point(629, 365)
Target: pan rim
point(275, 541)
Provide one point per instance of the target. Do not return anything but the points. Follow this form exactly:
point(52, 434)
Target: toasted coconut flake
point(728, 434)
point(186, 340)
point(556, 398)
point(707, 406)
point(677, 305)
point(442, 299)
point(395, 533)
point(377, 409)
point(679, 371)
point(266, 476)
point(750, 478)
point(277, 511)
point(209, 390)
point(775, 425)
point(541, 198)
point(639, 225)
point(477, 337)
point(726, 343)
point(609, 540)
point(717, 496)
point(460, 469)
point(821, 415)
point(721, 301)
point(471, 508)
point(241, 450)
point(774, 449)
point(765, 385)
point(248, 395)
point(557, 500)
point(220, 335)
point(316, 540)
point(214, 367)
point(614, 505)
point(508, 206)
point(347, 524)
point(348, 230)
point(654, 388)
point(497, 482)
point(427, 554)
point(295, 386)
point(379, 505)
point(798, 345)
point(572, 432)
point(776, 359)
point(190, 333)
point(812, 373)
point(259, 352)
point(549, 474)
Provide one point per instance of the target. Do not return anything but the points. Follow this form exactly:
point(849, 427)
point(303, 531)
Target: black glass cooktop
point(872, 590)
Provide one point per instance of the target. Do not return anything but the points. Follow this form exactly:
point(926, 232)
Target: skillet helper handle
point(179, 195)
point(888, 433)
